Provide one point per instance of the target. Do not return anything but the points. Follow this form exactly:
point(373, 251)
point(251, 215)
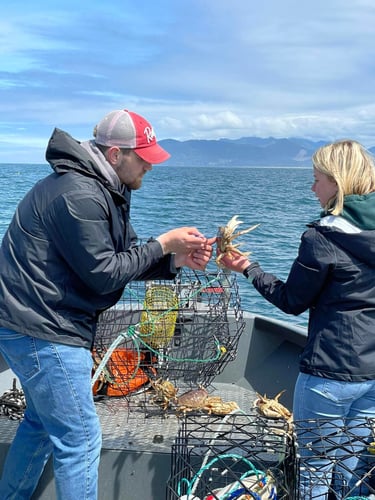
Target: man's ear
point(113, 155)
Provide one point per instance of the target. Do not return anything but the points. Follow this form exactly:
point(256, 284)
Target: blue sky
point(201, 69)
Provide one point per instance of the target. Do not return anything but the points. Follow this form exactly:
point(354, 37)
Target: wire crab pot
point(240, 456)
point(185, 331)
point(251, 456)
point(335, 459)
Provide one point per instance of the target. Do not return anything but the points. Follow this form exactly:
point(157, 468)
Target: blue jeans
point(321, 408)
point(60, 419)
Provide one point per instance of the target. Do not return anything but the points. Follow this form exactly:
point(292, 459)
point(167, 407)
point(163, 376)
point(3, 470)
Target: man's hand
point(196, 259)
point(182, 239)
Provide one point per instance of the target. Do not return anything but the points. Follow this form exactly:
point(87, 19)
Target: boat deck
point(154, 430)
point(128, 428)
point(137, 443)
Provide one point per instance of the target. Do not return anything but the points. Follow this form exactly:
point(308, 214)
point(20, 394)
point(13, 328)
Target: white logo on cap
point(149, 133)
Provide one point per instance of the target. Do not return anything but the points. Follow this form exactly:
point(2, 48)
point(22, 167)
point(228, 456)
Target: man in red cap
point(127, 130)
point(67, 255)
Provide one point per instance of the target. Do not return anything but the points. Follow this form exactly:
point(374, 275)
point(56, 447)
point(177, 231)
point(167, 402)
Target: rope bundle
point(13, 403)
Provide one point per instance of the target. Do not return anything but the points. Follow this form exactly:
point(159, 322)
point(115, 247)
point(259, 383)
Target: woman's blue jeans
point(331, 404)
point(60, 419)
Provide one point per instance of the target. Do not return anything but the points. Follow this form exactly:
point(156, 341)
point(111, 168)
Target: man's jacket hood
point(64, 153)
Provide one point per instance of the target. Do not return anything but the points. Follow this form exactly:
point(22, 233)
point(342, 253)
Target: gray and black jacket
point(334, 277)
point(70, 250)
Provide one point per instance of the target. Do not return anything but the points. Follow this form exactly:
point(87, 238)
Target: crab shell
point(198, 399)
point(216, 406)
point(271, 407)
point(226, 234)
point(194, 399)
point(165, 391)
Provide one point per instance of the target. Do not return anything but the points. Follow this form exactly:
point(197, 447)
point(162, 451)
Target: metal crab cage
point(238, 456)
point(329, 452)
point(184, 331)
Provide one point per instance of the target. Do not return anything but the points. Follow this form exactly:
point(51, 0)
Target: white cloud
point(223, 119)
point(197, 69)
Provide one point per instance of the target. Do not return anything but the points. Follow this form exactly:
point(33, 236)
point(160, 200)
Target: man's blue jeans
point(60, 419)
point(334, 404)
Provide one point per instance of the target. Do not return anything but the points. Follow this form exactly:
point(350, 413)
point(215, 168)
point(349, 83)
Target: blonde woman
point(333, 277)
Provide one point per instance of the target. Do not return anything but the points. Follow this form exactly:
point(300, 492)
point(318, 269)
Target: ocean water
point(279, 199)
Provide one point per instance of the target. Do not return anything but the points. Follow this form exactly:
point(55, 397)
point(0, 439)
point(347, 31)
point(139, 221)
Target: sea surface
point(279, 199)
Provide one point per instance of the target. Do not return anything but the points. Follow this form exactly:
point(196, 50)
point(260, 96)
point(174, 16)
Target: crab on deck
point(165, 392)
point(199, 400)
point(271, 408)
point(225, 236)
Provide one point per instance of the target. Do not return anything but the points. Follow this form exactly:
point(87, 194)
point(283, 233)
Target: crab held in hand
point(225, 236)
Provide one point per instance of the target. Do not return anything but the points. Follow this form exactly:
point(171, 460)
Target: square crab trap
point(240, 456)
point(167, 336)
point(336, 460)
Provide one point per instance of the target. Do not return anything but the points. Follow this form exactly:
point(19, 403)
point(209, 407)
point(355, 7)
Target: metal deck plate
point(131, 429)
point(128, 428)
point(8, 429)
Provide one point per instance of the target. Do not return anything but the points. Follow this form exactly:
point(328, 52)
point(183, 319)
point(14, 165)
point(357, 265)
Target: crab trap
point(335, 460)
point(240, 456)
point(183, 331)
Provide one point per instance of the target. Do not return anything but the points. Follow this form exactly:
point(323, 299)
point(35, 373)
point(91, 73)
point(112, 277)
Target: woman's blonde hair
point(348, 164)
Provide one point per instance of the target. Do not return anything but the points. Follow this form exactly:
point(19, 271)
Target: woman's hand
point(234, 261)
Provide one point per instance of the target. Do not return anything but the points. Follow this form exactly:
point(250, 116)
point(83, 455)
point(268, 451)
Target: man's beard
point(135, 184)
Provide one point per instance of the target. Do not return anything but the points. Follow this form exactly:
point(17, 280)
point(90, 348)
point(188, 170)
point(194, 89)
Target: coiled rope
point(13, 403)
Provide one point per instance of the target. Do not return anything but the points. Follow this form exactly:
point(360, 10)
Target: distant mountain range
point(247, 151)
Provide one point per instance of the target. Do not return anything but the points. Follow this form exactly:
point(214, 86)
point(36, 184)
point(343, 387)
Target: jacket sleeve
point(306, 278)
point(79, 226)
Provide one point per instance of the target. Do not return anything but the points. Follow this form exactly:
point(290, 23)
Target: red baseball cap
point(128, 130)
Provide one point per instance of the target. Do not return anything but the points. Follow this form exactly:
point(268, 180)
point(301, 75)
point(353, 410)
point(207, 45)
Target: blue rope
point(261, 477)
point(357, 498)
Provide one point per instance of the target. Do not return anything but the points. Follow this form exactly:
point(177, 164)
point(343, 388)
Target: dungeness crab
point(198, 399)
point(271, 408)
point(165, 392)
point(225, 236)
point(192, 400)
